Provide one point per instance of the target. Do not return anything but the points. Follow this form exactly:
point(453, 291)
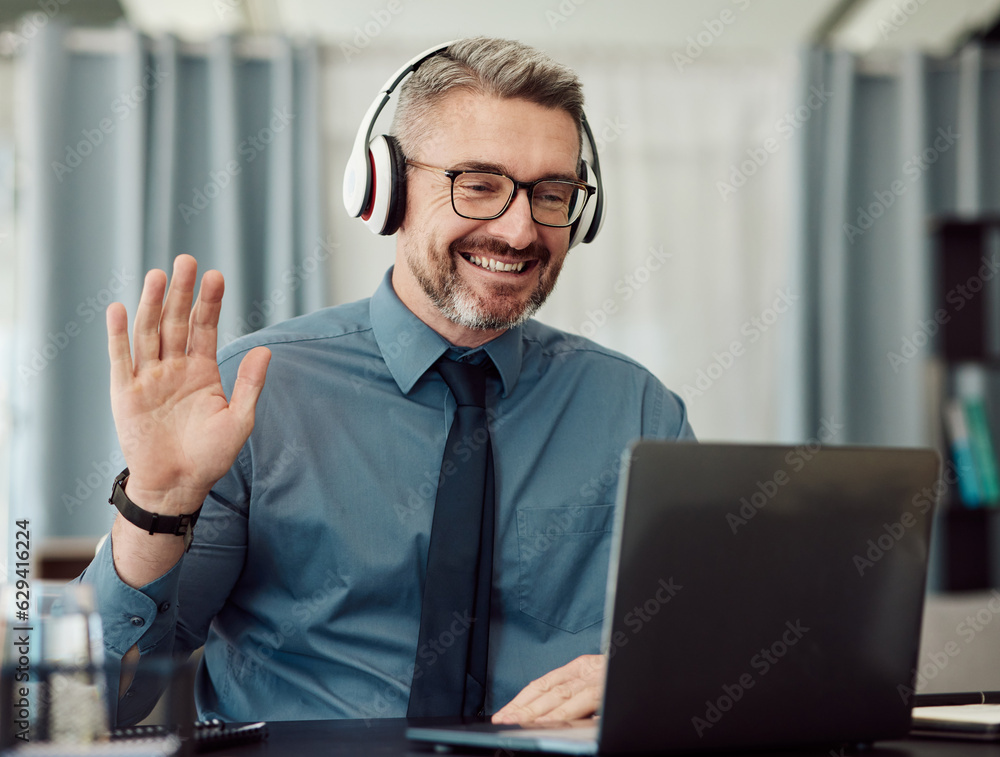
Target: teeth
point(494, 265)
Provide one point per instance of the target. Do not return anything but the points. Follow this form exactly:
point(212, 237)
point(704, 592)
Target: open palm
point(178, 432)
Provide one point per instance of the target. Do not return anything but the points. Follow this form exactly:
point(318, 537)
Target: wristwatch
point(154, 523)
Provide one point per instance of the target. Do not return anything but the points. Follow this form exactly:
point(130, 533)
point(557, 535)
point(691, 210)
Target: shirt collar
point(409, 346)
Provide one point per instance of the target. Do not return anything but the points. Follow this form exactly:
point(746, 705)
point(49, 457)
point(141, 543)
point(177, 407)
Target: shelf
point(967, 261)
point(967, 554)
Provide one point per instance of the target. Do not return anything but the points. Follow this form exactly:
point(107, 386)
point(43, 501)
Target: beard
point(502, 306)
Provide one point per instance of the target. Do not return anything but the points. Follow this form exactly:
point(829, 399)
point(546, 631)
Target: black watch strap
point(154, 523)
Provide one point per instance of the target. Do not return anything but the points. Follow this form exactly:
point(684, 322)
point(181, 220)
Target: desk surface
point(332, 738)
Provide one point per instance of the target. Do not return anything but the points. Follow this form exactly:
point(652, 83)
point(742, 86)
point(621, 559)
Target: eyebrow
point(478, 165)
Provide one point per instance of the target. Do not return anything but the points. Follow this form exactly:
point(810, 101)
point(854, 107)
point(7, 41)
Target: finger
point(582, 704)
point(517, 707)
point(177, 308)
point(146, 339)
point(552, 690)
point(248, 385)
point(118, 346)
point(537, 703)
point(203, 331)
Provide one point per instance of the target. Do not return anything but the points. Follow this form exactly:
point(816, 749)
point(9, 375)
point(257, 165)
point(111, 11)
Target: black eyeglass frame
point(528, 185)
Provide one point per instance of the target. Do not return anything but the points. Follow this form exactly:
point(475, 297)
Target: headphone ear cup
point(588, 224)
point(385, 208)
point(397, 203)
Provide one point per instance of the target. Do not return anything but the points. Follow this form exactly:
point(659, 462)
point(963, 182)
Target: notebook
point(978, 722)
point(798, 578)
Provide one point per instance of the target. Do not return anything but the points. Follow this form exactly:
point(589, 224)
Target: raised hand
point(177, 431)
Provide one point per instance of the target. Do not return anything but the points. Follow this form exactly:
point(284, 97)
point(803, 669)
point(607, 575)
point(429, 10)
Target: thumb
point(249, 383)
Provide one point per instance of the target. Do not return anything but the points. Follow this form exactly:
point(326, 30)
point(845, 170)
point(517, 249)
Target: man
point(306, 573)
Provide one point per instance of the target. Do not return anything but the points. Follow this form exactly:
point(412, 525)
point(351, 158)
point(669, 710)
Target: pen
point(957, 698)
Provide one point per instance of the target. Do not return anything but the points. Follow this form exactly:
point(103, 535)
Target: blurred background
point(802, 238)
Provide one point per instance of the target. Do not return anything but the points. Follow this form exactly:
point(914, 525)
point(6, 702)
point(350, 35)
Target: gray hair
point(498, 67)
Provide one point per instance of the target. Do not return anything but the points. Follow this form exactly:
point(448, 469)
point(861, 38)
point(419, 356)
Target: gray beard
point(456, 303)
point(461, 307)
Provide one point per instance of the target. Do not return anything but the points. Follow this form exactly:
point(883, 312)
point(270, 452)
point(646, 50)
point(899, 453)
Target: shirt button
point(164, 607)
point(137, 621)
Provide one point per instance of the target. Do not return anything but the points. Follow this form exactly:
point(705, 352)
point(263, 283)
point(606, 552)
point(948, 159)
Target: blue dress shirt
point(305, 576)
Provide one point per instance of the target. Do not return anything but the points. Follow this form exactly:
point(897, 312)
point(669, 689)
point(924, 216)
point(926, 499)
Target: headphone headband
point(375, 176)
point(356, 192)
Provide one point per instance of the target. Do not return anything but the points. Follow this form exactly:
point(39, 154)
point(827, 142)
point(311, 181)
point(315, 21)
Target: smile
point(491, 264)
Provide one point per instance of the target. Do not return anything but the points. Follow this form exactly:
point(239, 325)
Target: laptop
point(798, 578)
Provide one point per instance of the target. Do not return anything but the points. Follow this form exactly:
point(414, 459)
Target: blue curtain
point(133, 151)
point(902, 144)
point(899, 143)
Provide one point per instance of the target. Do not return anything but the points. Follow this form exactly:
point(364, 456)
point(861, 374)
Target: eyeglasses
point(485, 195)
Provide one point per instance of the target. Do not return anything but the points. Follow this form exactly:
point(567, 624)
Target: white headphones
point(375, 177)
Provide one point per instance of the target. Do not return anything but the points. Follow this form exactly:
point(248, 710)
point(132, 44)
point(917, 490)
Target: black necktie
point(449, 678)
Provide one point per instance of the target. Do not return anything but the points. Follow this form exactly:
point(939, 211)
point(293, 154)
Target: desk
point(384, 738)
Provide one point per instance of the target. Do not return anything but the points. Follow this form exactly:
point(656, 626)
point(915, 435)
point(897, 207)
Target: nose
point(515, 226)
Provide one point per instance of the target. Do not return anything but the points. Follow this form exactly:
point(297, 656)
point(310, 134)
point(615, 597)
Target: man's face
point(435, 274)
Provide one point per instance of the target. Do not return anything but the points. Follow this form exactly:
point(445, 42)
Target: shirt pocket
point(563, 555)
